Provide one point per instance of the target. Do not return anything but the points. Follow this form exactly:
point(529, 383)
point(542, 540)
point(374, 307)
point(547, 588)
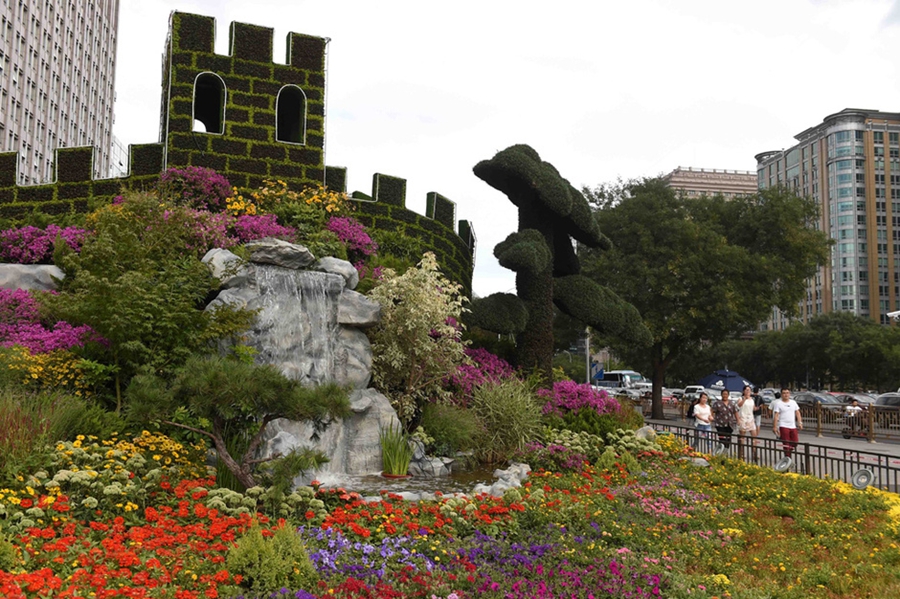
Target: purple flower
point(352, 234)
point(31, 245)
point(249, 227)
point(20, 325)
point(485, 367)
point(195, 187)
point(569, 396)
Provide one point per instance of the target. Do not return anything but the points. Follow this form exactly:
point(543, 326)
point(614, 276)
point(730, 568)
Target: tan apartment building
point(57, 81)
point(694, 182)
point(850, 165)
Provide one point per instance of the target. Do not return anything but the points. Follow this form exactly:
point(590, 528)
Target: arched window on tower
point(209, 103)
point(290, 107)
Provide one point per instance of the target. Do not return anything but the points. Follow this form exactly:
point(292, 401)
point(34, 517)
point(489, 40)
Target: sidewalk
point(886, 448)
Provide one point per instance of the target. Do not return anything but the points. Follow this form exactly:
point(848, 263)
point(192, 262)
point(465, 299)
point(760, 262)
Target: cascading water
point(296, 328)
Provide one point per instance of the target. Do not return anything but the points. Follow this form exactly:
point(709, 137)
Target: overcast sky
point(424, 90)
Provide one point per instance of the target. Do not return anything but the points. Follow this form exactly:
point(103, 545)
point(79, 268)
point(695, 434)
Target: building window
point(290, 107)
point(209, 103)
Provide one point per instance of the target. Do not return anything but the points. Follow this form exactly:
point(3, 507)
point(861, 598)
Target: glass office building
point(850, 165)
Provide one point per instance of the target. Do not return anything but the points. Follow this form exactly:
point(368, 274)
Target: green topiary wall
point(386, 209)
point(247, 152)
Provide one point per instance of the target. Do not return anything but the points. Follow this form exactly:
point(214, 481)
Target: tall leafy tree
point(701, 269)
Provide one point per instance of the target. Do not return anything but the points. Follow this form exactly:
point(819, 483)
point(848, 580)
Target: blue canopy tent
point(725, 379)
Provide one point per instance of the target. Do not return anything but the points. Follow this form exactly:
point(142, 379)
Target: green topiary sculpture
point(551, 214)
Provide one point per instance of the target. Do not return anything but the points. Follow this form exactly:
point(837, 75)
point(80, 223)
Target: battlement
point(385, 209)
point(250, 119)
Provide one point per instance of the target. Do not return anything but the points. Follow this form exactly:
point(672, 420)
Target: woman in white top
point(702, 419)
point(746, 420)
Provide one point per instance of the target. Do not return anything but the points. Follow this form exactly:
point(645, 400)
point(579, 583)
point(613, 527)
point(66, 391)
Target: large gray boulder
point(279, 253)
point(307, 323)
point(339, 267)
point(227, 267)
point(352, 444)
point(357, 310)
point(36, 277)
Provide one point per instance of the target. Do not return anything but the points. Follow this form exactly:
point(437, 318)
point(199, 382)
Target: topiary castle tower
point(250, 119)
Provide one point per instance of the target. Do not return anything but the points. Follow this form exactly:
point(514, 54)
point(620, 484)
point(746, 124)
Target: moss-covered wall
point(74, 186)
point(386, 209)
point(246, 152)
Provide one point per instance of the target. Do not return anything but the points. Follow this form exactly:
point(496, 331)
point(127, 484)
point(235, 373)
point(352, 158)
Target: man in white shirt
point(787, 421)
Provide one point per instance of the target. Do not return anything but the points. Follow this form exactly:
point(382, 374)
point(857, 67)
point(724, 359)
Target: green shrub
point(579, 441)
point(8, 556)
point(277, 562)
point(623, 441)
point(453, 428)
point(611, 457)
point(510, 417)
point(418, 341)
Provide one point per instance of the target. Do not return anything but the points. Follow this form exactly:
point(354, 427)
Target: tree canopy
point(701, 270)
point(838, 350)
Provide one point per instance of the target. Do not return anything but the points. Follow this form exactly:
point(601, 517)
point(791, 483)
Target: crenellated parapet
point(242, 114)
point(250, 119)
point(73, 186)
point(385, 209)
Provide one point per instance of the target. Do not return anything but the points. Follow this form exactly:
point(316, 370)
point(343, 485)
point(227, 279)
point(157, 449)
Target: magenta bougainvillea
point(353, 234)
point(195, 187)
point(569, 396)
point(485, 367)
point(20, 325)
point(32, 245)
point(257, 226)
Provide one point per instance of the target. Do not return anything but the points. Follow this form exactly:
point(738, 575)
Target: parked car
point(862, 398)
point(692, 392)
point(888, 399)
point(811, 398)
point(677, 393)
point(768, 395)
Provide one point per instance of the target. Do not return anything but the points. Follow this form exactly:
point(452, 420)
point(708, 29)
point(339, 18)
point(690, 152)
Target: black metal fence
point(814, 460)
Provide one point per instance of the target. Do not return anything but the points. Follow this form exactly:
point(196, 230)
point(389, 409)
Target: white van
point(623, 378)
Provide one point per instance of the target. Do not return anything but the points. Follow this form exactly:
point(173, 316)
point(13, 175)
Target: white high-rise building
point(850, 165)
point(57, 81)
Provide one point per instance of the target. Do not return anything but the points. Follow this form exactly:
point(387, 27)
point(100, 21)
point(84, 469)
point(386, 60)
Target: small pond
point(368, 485)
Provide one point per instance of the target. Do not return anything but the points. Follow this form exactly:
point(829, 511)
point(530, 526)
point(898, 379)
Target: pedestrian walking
point(746, 421)
point(758, 404)
point(725, 418)
point(702, 421)
point(787, 421)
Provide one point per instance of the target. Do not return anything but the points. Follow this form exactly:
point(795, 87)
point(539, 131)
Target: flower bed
point(132, 518)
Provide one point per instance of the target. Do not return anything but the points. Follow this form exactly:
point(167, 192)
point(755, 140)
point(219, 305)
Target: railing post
point(818, 419)
point(870, 411)
point(806, 469)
